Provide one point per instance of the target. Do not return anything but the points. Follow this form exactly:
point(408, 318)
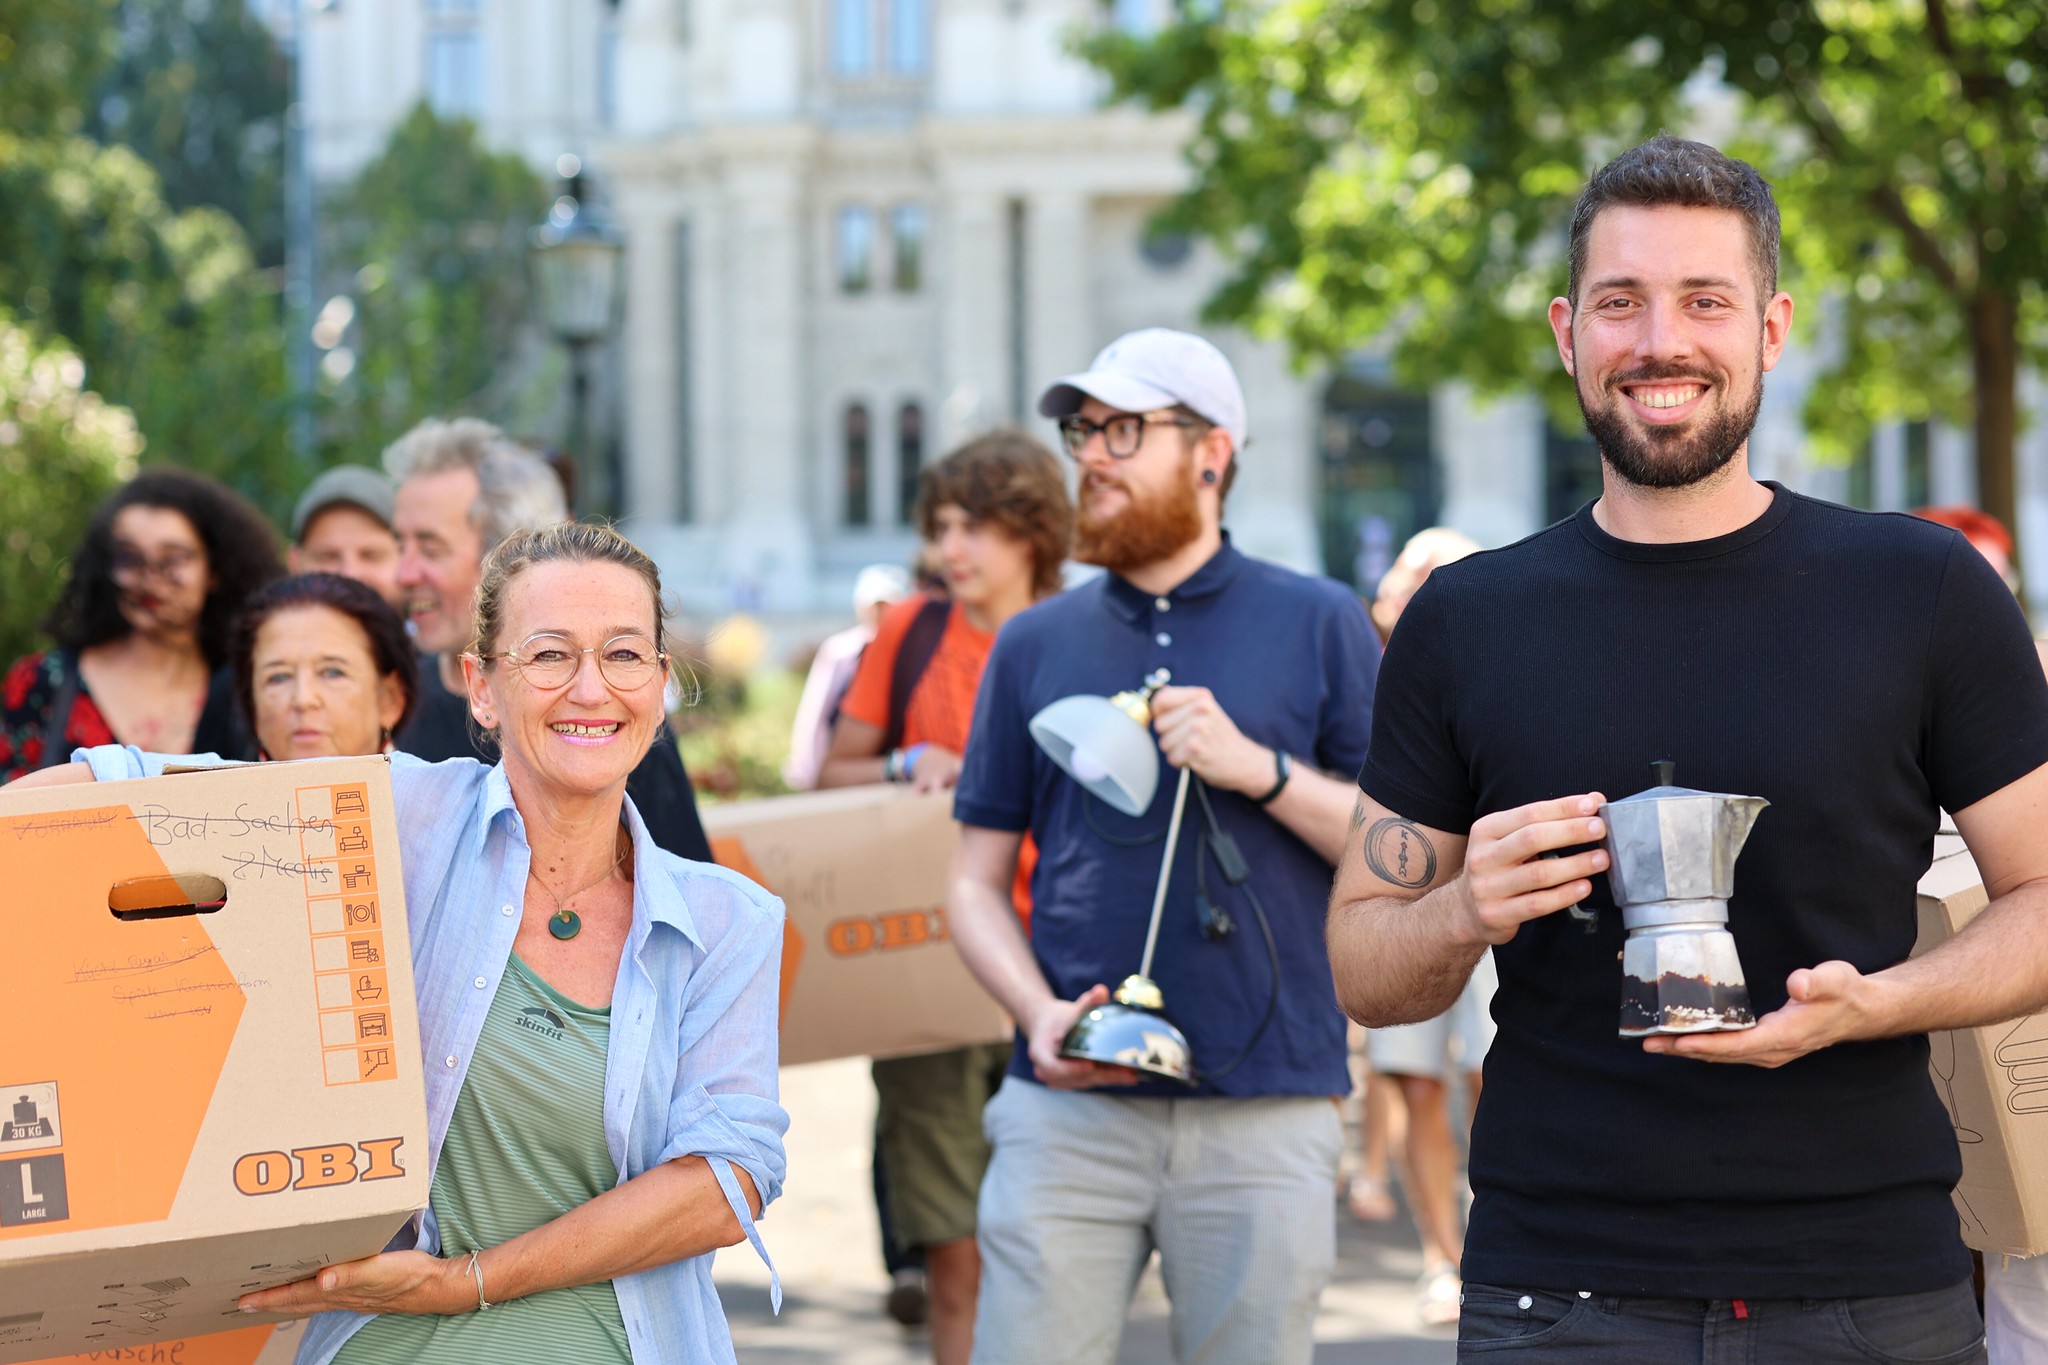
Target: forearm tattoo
point(1400, 854)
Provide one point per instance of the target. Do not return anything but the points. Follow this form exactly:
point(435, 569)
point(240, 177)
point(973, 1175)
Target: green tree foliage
point(51, 54)
point(1405, 167)
point(428, 246)
point(198, 88)
point(166, 310)
point(61, 450)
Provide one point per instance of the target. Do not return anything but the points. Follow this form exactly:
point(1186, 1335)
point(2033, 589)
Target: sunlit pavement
point(822, 1235)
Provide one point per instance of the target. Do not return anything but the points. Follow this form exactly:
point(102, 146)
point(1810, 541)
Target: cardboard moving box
point(868, 969)
point(1994, 1083)
point(209, 1056)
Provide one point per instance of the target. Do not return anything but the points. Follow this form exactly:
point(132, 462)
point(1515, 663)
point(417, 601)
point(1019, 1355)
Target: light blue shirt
point(692, 1065)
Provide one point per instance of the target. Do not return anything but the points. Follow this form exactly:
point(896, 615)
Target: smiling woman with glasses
point(141, 623)
point(567, 1217)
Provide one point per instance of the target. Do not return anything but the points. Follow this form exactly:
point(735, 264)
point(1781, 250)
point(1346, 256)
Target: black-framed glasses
point(548, 661)
point(1122, 433)
point(172, 565)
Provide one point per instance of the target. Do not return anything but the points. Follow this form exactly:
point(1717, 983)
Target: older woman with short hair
point(322, 666)
point(581, 1178)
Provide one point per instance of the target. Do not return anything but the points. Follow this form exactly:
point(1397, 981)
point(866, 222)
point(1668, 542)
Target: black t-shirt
point(1857, 670)
point(660, 788)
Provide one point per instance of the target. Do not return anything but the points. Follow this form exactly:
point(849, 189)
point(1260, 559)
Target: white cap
point(1155, 368)
point(879, 583)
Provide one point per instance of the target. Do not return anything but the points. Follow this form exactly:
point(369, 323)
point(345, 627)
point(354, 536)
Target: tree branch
point(1975, 86)
point(1921, 246)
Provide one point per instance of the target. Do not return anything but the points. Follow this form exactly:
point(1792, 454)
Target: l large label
point(32, 1190)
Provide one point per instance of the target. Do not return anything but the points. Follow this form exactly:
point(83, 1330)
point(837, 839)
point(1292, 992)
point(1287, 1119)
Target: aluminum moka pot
point(1671, 865)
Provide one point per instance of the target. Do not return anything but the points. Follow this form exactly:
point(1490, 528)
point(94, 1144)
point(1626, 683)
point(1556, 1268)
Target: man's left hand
point(389, 1282)
point(1828, 1005)
point(1195, 732)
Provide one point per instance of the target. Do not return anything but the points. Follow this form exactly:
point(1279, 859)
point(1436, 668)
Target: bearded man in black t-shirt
point(1777, 1194)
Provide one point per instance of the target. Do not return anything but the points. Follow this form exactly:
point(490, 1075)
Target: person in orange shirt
point(997, 512)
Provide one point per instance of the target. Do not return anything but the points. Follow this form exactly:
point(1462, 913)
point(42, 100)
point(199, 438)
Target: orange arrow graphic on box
point(732, 853)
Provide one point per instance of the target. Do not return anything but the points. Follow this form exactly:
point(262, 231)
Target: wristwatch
point(1283, 768)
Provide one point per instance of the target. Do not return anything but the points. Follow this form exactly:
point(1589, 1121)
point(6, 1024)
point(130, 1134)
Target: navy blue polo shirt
point(1292, 660)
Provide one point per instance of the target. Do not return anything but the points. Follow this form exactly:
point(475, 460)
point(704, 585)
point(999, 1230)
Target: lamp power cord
point(1213, 843)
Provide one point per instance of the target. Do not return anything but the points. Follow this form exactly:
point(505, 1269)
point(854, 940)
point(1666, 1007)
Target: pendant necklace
point(565, 924)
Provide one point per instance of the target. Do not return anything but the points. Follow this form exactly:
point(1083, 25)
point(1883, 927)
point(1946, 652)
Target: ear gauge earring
point(1208, 476)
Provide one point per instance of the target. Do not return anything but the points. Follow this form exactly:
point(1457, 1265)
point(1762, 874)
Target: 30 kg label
point(28, 1117)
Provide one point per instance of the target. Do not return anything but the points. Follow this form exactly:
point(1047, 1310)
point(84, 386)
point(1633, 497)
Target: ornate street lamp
point(578, 267)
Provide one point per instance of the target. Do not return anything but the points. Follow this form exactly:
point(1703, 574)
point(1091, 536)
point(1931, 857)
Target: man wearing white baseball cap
point(1229, 1179)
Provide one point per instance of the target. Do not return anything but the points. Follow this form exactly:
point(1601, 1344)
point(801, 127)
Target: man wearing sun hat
point(1094, 1168)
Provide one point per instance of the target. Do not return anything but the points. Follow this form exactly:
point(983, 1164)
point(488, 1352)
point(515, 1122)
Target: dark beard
point(1150, 527)
point(1659, 457)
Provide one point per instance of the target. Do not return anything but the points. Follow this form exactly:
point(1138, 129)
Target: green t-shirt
point(524, 1146)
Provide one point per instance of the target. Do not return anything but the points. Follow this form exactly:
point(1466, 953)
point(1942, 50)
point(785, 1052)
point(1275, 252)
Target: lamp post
point(578, 258)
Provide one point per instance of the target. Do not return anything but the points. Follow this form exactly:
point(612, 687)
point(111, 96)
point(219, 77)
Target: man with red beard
point(1094, 1168)
point(1782, 1191)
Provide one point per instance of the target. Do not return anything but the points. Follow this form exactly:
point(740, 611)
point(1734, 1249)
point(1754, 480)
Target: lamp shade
point(1131, 1029)
point(1100, 746)
point(578, 262)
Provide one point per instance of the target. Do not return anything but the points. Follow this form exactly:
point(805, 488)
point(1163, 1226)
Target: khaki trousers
point(1234, 1194)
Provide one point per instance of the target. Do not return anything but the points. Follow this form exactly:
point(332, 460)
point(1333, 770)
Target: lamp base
point(1132, 1030)
point(1683, 980)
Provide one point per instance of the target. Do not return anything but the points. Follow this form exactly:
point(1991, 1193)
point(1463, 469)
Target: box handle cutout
point(167, 897)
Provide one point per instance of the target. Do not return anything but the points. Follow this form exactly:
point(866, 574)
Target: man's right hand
point(1507, 881)
point(1048, 1029)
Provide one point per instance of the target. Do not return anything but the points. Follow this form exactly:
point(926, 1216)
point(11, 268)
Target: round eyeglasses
point(173, 566)
point(1122, 433)
point(550, 661)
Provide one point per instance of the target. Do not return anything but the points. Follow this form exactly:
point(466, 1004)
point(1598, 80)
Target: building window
point(1571, 471)
point(1380, 483)
point(856, 246)
point(854, 434)
point(455, 59)
point(1919, 468)
point(1859, 484)
point(909, 459)
point(909, 37)
point(1165, 250)
point(853, 37)
point(906, 247)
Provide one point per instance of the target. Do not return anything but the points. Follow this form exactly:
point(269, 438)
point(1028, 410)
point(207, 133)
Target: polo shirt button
point(451, 1061)
point(1163, 639)
point(1162, 604)
point(505, 910)
point(480, 983)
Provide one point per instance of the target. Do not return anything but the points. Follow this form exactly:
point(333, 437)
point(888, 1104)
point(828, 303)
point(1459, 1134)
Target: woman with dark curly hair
point(141, 624)
point(322, 666)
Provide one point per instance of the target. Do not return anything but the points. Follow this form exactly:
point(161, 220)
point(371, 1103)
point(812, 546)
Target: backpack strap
point(920, 642)
point(55, 751)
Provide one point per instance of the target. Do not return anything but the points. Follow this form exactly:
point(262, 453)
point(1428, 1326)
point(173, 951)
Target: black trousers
point(1502, 1323)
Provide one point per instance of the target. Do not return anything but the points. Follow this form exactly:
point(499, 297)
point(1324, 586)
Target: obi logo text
point(319, 1168)
point(859, 934)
